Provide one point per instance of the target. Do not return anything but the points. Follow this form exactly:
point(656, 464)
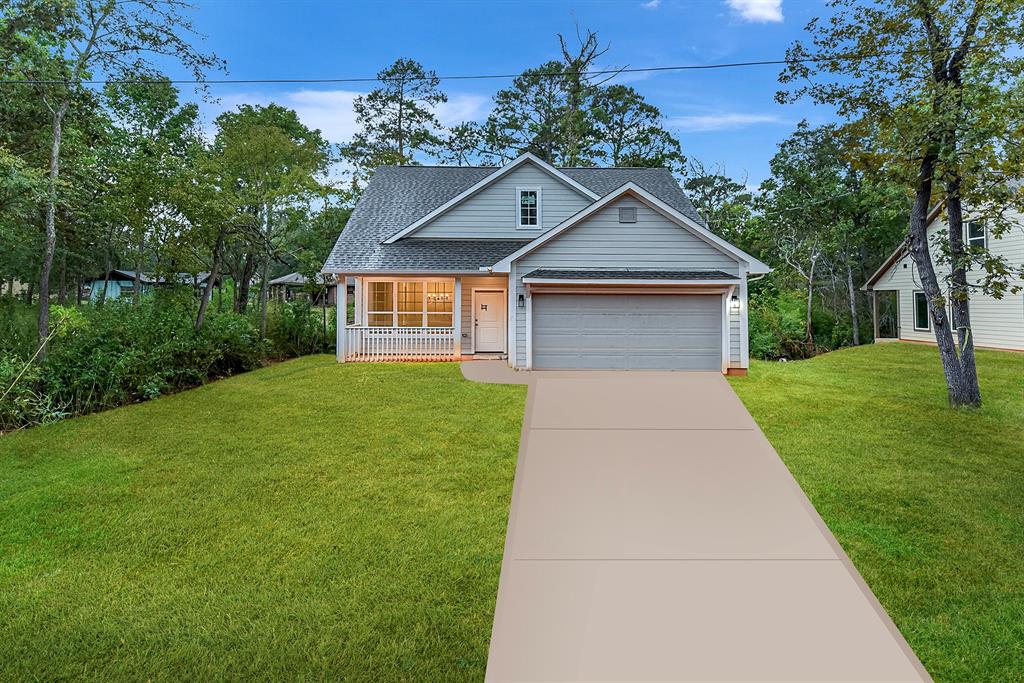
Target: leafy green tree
point(274, 161)
point(86, 37)
point(154, 137)
point(939, 81)
point(725, 204)
point(527, 117)
point(397, 120)
point(628, 131)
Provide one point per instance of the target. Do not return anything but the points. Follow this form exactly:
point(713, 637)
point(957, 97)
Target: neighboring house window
point(975, 234)
point(528, 207)
point(409, 303)
point(922, 321)
point(954, 318)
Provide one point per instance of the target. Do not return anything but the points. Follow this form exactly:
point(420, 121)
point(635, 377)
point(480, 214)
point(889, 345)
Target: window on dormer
point(528, 207)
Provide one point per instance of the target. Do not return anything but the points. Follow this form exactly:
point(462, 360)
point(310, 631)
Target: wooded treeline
point(122, 175)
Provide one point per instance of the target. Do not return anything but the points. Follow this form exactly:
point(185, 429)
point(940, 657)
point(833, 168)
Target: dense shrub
point(21, 403)
point(778, 326)
point(296, 328)
point(105, 356)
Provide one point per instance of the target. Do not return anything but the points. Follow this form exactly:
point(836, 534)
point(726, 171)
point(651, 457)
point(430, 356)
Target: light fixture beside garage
point(734, 302)
point(521, 301)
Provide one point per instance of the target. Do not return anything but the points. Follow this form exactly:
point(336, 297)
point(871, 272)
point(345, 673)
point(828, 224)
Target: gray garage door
point(627, 331)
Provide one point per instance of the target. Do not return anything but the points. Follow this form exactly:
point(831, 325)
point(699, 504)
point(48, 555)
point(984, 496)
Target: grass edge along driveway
point(926, 501)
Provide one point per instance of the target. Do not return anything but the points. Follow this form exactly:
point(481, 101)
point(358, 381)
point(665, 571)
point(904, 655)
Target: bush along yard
point(315, 520)
point(102, 356)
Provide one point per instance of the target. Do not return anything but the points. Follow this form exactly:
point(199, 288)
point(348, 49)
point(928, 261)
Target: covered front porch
point(423, 317)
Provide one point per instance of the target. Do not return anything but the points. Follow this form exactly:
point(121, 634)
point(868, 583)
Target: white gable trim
point(755, 267)
point(488, 180)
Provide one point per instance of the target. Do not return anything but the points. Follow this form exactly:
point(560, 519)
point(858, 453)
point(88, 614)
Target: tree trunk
point(960, 297)
point(43, 329)
point(62, 286)
point(106, 278)
point(204, 300)
point(921, 254)
point(137, 280)
point(78, 291)
point(810, 303)
point(30, 293)
point(220, 293)
point(264, 290)
point(852, 293)
point(242, 286)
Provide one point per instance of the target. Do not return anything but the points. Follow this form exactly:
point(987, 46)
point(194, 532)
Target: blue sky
point(722, 117)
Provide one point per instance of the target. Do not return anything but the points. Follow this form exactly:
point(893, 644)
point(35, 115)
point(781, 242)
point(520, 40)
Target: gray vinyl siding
point(468, 284)
point(491, 212)
point(653, 242)
point(996, 323)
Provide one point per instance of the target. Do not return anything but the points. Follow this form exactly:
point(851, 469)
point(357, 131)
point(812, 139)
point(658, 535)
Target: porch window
point(409, 303)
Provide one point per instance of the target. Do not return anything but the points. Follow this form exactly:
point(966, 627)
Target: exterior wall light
point(735, 303)
point(521, 301)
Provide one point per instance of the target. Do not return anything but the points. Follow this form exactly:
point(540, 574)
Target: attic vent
point(627, 214)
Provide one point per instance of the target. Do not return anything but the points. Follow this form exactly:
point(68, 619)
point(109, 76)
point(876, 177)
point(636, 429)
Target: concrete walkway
point(655, 535)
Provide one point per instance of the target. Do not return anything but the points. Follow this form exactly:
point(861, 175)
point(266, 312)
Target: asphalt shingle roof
point(397, 196)
point(552, 274)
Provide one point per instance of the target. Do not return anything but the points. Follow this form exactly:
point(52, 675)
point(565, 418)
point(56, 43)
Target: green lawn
point(928, 502)
point(312, 520)
point(304, 521)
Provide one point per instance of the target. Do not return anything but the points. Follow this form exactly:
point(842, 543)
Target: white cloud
point(704, 123)
point(758, 11)
point(652, 4)
point(332, 112)
point(463, 107)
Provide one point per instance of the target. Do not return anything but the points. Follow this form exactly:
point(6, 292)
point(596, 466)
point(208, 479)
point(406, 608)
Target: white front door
point(489, 322)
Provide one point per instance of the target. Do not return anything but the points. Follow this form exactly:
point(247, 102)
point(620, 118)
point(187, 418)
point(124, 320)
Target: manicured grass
point(346, 522)
point(304, 521)
point(928, 502)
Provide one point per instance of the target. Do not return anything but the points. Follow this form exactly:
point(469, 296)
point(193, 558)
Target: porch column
point(874, 312)
point(342, 317)
point(457, 318)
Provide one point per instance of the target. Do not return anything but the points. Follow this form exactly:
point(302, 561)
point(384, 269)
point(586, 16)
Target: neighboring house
point(900, 308)
point(550, 267)
point(121, 283)
point(293, 286)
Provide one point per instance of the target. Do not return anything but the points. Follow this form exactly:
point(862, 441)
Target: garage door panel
point(636, 332)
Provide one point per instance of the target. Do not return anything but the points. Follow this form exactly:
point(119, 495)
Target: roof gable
point(486, 182)
point(630, 189)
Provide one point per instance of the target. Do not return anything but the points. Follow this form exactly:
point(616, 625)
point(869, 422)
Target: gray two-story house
point(551, 268)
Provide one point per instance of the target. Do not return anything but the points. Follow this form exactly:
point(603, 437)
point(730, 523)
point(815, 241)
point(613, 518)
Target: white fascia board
point(409, 272)
point(626, 281)
point(754, 266)
point(488, 180)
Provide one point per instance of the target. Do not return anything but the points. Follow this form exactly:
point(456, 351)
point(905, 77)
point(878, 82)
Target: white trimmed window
point(410, 303)
point(922, 321)
point(974, 234)
point(528, 213)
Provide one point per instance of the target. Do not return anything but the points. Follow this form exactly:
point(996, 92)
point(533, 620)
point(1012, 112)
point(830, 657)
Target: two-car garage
point(624, 331)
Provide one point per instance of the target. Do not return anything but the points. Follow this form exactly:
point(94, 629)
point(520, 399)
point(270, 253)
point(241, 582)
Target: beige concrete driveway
point(655, 535)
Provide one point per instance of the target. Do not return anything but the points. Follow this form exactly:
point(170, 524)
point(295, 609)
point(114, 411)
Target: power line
point(477, 77)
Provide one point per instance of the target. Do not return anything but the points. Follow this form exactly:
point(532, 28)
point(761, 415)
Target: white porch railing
point(399, 343)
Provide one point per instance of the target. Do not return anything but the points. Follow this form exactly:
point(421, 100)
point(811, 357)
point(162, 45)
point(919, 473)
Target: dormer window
point(528, 208)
